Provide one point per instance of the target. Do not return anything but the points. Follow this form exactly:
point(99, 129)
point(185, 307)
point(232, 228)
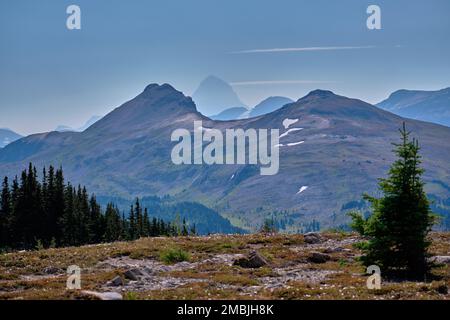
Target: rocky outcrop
point(253, 260)
point(318, 257)
point(312, 238)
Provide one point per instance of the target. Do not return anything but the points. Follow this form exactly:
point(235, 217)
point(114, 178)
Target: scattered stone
point(133, 274)
point(51, 270)
point(312, 238)
point(253, 260)
point(116, 282)
point(318, 257)
point(102, 295)
point(441, 259)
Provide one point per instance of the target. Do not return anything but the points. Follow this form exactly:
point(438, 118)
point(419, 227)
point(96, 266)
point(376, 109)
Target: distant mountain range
point(214, 96)
point(7, 136)
point(232, 114)
point(90, 122)
point(431, 106)
point(264, 107)
point(269, 105)
point(332, 149)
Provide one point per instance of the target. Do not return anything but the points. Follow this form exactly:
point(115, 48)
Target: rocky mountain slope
point(332, 149)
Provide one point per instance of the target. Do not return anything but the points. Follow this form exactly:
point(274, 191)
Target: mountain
point(264, 107)
point(269, 105)
point(231, 114)
point(7, 136)
point(88, 123)
point(431, 106)
point(332, 149)
point(214, 96)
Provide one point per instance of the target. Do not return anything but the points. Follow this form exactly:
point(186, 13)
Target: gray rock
point(133, 274)
point(102, 295)
point(318, 257)
point(52, 270)
point(116, 282)
point(312, 238)
point(253, 260)
point(440, 259)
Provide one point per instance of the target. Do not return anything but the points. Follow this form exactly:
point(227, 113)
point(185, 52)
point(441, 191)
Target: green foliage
point(59, 214)
point(401, 220)
point(174, 255)
point(269, 226)
point(39, 245)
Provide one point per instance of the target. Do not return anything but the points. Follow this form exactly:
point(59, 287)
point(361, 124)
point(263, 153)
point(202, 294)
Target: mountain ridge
point(431, 106)
point(335, 148)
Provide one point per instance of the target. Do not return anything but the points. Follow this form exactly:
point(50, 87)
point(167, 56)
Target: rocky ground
point(312, 266)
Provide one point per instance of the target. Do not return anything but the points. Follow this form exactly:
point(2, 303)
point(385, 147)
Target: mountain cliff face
point(332, 149)
point(431, 106)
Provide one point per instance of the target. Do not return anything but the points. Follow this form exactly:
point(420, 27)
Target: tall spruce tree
point(401, 220)
point(5, 213)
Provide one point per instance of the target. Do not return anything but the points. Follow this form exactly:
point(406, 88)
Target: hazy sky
point(50, 75)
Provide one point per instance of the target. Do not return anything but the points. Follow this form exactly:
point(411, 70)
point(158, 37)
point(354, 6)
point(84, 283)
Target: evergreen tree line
point(51, 213)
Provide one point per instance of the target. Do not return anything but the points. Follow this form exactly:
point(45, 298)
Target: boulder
point(440, 259)
point(253, 260)
point(312, 238)
point(52, 270)
point(133, 274)
point(318, 257)
point(102, 295)
point(116, 282)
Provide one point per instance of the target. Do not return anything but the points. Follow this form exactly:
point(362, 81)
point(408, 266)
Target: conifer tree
point(401, 220)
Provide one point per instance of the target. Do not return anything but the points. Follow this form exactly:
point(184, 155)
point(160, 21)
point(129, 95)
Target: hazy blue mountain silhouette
point(431, 106)
point(7, 136)
point(231, 114)
point(269, 105)
point(214, 96)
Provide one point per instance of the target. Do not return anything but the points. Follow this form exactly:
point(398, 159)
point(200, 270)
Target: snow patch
point(289, 131)
point(303, 188)
point(289, 122)
point(295, 143)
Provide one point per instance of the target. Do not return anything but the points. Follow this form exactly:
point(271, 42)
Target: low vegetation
point(207, 270)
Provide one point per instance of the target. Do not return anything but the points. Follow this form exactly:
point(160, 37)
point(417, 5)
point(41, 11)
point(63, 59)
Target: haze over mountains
point(334, 149)
point(214, 96)
point(432, 106)
point(7, 136)
point(90, 122)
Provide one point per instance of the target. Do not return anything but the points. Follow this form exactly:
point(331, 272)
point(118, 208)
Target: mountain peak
point(319, 93)
point(215, 95)
point(163, 89)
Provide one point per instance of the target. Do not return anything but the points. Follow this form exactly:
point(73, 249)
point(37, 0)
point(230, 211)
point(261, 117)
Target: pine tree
point(184, 230)
point(132, 225)
point(5, 213)
point(146, 224)
point(401, 220)
point(139, 219)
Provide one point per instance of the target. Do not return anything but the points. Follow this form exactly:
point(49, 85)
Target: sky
point(52, 76)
